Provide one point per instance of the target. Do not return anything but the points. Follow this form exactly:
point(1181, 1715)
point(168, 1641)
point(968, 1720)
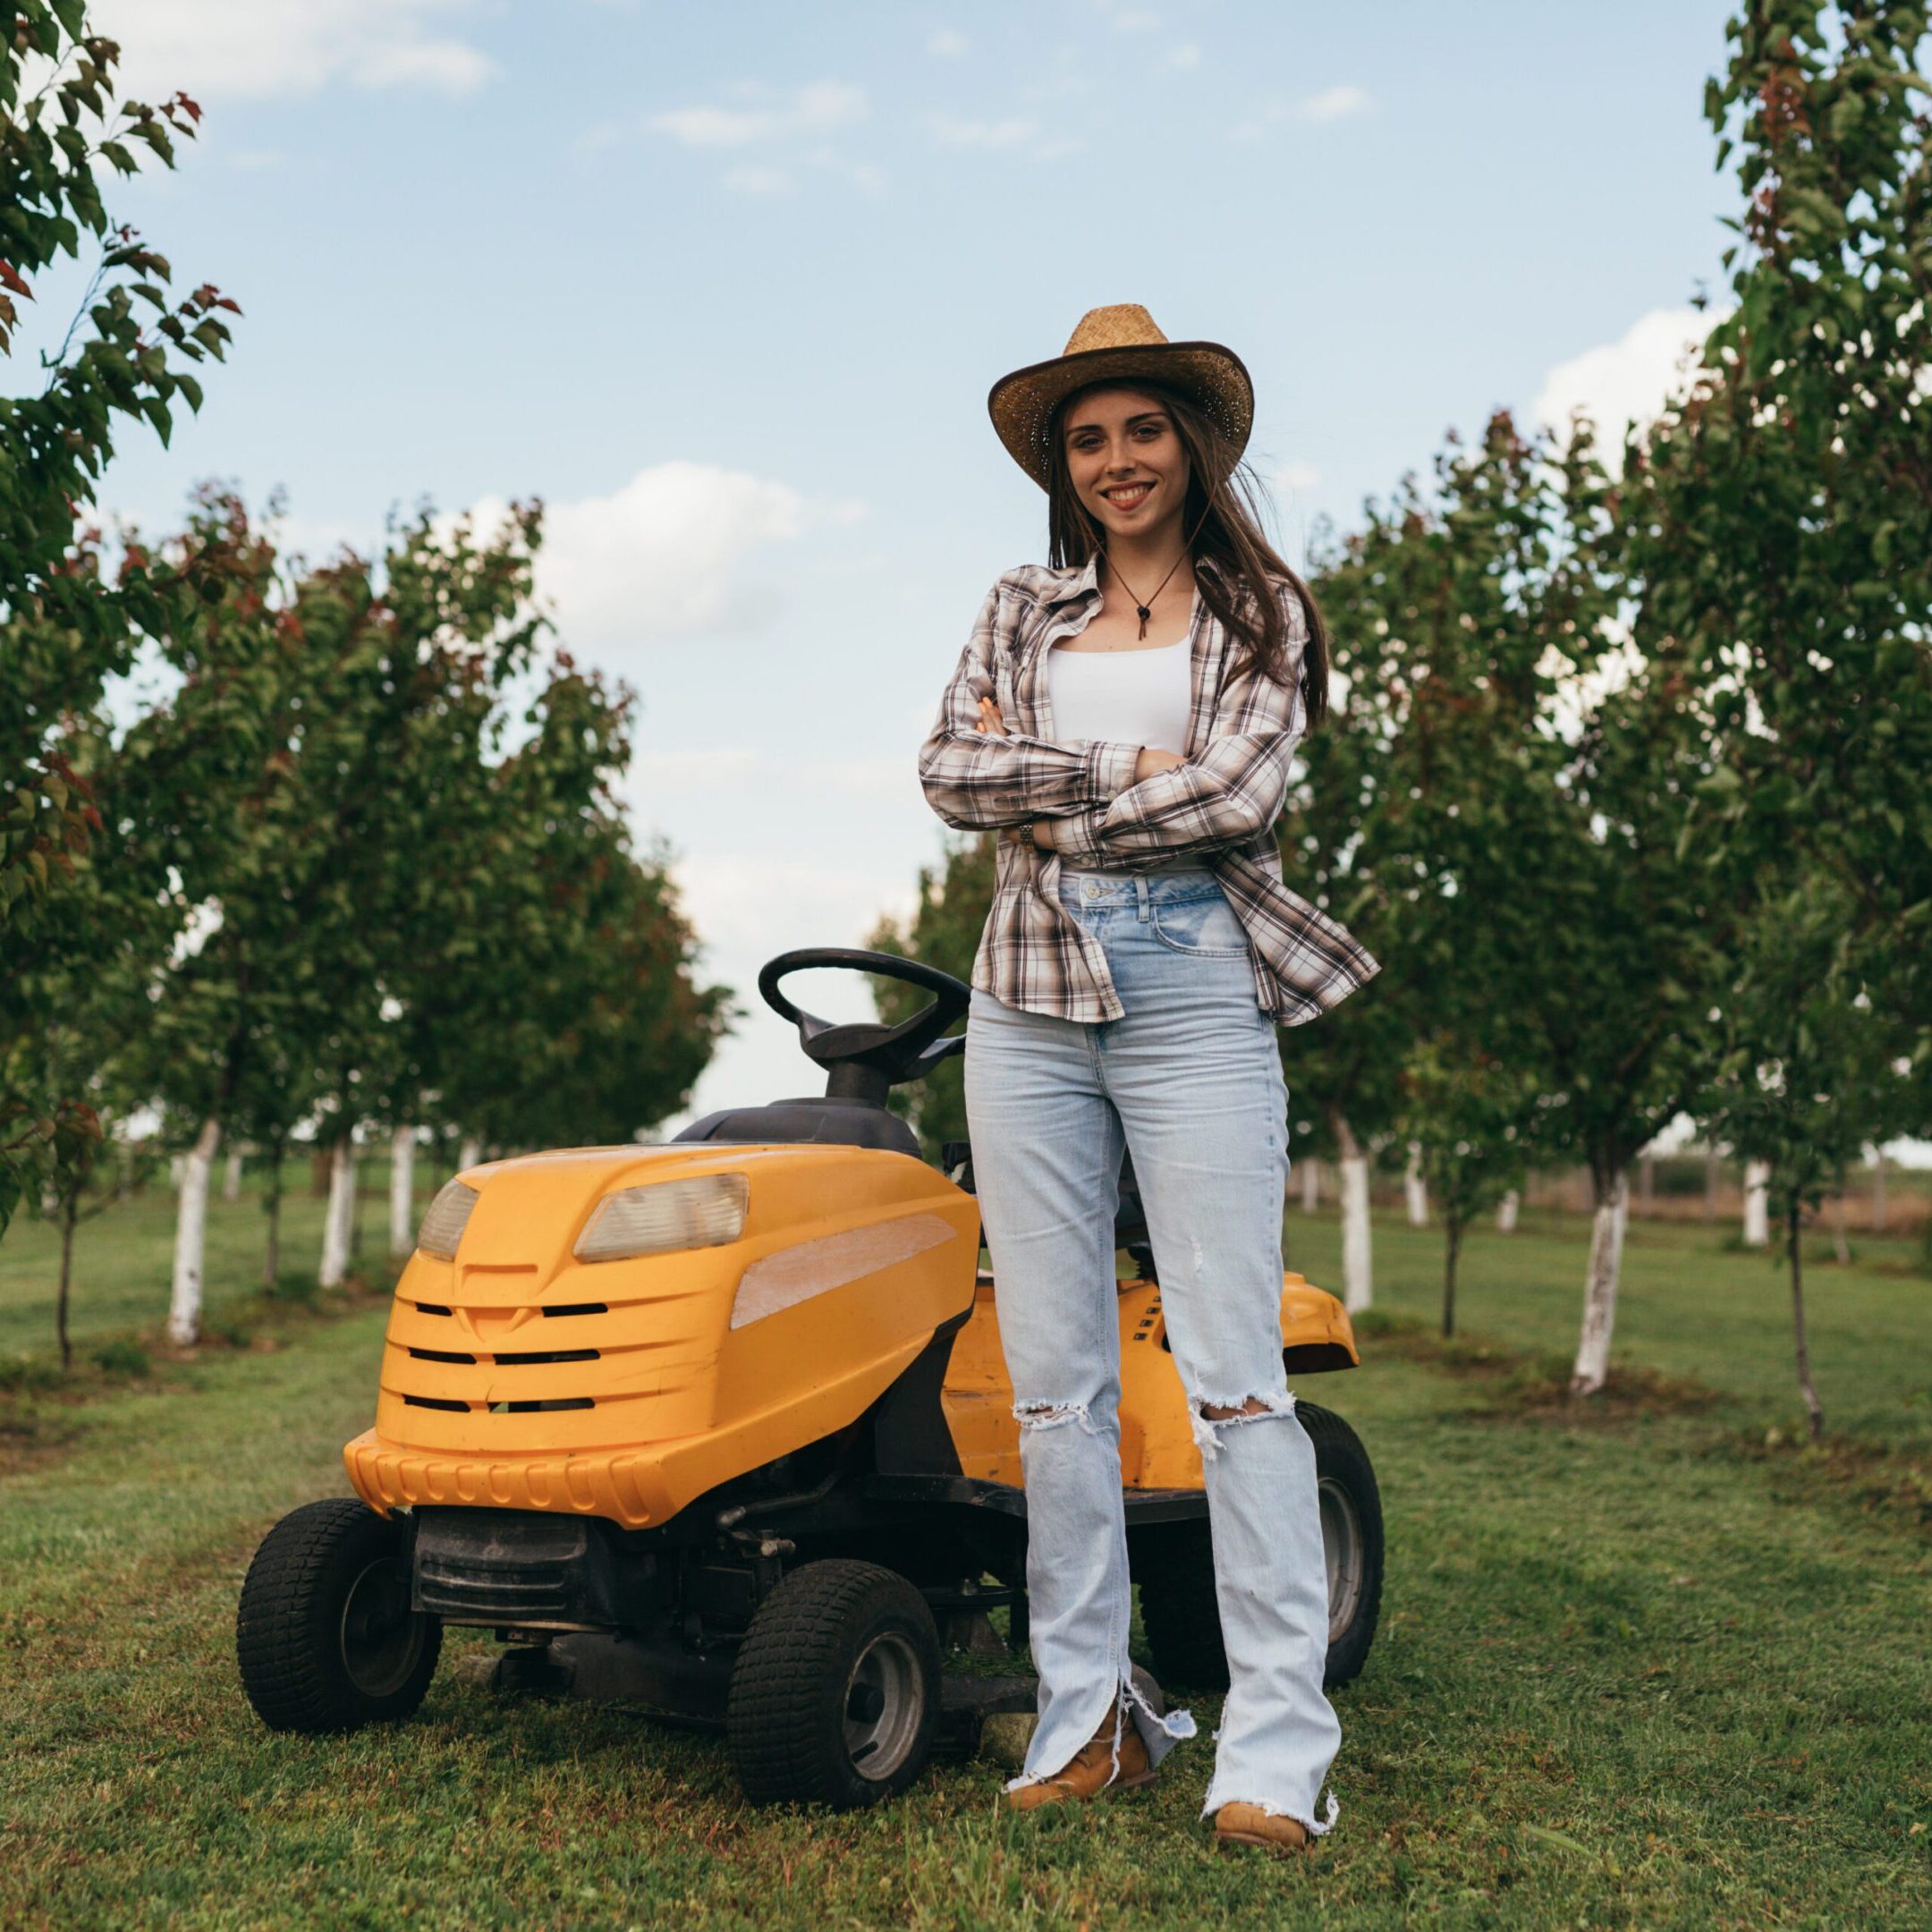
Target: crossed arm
point(1098, 802)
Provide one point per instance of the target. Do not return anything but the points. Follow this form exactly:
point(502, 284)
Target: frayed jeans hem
point(1269, 1809)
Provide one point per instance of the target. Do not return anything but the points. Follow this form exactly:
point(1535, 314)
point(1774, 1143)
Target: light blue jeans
point(1190, 1077)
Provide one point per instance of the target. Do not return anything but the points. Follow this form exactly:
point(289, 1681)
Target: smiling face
point(1126, 461)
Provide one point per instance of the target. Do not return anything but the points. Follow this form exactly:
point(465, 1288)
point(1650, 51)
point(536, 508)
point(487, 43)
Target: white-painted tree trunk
point(337, 1216)
point(1506, 1211)
point(470, 1154)
point(232, 1177)
point(401, 1191)
point(191, 1237)
point(1358, 1277)
point(1600, 1287)
point(1757, 1204)
point(1311, 1186)
point(177, 1166)
point(1415, 1188)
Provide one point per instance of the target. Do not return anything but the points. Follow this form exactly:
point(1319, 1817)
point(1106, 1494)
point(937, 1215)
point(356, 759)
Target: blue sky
point(726, 286)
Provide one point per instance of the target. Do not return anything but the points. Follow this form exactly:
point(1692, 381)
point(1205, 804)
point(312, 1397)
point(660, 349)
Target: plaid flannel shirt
point(1217, 809)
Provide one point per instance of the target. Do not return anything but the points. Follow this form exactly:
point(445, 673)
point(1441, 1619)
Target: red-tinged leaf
point(11, 278)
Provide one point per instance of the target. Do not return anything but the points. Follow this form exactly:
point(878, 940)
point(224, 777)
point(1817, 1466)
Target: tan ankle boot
point(1250, 1825)
point(1090, 1770)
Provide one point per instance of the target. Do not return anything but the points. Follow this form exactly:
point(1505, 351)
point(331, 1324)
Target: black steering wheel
point(868, 1058)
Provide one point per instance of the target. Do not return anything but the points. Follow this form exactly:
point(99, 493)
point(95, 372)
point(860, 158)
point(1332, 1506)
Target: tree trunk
point(1358, 1282)
point(1710, 1184)
point(1506, 1212)
point(1452, 1247)
point(1757, 1204)
point(70, 1213)
point(401, 1191)
point(336, 1217)
point(272, 1254)
point(1600, 1284)
point(355, 1200)
point(1311, 1186)
point(177, 1168)
point(231, 1179)
point(1415, 1188)
point(470, 1154)
point(191, 1238)
point(1815, 1414)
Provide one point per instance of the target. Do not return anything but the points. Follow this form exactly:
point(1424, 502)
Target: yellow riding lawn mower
point(721, 1427)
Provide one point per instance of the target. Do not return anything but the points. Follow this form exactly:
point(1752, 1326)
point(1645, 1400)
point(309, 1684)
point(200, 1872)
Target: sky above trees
point(727, 286)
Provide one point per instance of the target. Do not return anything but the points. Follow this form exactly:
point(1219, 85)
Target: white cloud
point(253, 50)
point(1294, 476)
point(816, 109)
point(1183, 56)
point(892, 777)
point(668, 555)
point(1628, 380)
point(1012, 134)
point(1333, 103)
point(749, 906)
point(756, 178)
point(945, 43)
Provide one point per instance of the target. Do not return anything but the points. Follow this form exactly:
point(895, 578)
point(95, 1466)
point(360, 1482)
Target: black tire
point(835, 1691)
point(325, 1634)
point(1178, 1610)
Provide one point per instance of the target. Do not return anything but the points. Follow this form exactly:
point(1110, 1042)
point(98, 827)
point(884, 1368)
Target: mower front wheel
point(325, 1634)
point(835, 1691)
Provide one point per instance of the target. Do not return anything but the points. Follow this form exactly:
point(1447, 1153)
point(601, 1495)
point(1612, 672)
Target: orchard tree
point(1782, 513)
point(1544, 777)
point(66, 623)
point(1467, 1113)
point(1814, 1068)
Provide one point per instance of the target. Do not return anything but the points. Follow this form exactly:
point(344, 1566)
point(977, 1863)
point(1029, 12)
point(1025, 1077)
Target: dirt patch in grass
point(1514, 1385)
point(1882, 1483)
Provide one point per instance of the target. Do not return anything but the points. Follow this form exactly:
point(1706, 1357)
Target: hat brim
point(1208, 374)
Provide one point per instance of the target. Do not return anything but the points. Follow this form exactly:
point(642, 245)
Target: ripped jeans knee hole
point(1212, 1418)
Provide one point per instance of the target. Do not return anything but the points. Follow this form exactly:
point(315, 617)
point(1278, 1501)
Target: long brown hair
point(1229, 538)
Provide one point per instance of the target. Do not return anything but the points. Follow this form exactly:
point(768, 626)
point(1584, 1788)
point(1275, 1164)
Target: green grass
point(1627, 1674)
point(1688, 1306)
point(124, 1259)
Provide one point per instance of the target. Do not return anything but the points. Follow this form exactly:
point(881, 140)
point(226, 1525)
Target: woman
point(1125, 717)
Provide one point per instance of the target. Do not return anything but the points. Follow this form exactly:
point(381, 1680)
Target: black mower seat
point(834, 1119)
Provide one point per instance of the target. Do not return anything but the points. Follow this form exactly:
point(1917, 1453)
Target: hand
point(990, 721)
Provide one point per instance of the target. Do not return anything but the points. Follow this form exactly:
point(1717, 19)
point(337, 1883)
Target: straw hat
point(1121, 341)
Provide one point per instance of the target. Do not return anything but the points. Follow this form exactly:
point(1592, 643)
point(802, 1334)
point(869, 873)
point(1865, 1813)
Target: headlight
point(448, 1215)
point(665, 1216)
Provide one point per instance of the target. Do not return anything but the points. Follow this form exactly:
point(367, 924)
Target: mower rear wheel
point(1177, 1608)
point(325, 1634)
point(835, 1691)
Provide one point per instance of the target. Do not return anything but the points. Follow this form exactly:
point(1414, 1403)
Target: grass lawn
point(1631, 1672)
point(1688, 1306)
point(124, 1259)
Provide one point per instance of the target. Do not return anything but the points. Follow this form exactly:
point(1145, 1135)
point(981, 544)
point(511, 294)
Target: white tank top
point(1132, 697)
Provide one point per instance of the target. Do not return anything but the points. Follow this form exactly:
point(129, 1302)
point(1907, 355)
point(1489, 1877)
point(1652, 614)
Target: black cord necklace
point(1145, 610)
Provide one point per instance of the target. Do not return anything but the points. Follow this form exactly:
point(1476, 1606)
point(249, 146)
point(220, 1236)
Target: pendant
point(1145, 614)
